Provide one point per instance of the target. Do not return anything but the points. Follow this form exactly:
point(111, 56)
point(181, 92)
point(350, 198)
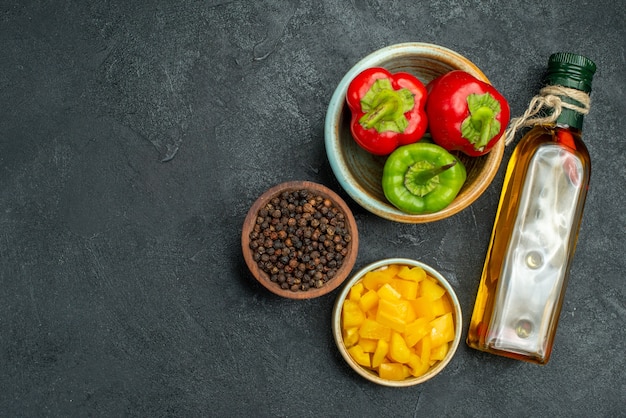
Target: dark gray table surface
point(134, 138)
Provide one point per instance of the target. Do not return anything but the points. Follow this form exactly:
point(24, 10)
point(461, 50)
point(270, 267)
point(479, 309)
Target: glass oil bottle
point(536, 228)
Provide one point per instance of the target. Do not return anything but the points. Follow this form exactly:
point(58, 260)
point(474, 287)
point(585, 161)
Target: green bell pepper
point(422, 178)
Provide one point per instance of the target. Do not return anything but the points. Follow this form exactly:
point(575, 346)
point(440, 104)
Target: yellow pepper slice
point(392, 371)
point(407, 288)
point(360, 356)
point(415, 274)
point(392, 313)
point(369, 300)
point(351, 314)
point(398, 350)
point(387, 292)
point(442, 330)
point(372, 329)
point(431, 290)
point(382, 348)
point(355, 292)
point(416, 330)
point(439, 353)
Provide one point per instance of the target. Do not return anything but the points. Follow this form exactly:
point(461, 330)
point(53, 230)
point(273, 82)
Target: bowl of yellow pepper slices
point(397, 322)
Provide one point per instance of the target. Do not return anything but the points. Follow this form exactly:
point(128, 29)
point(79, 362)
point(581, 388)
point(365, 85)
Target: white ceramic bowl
point(371, 375)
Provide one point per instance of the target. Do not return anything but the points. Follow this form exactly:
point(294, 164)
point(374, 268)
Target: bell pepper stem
point(424, 176)
point(482, 120)
point(481, 125)
point(371, 118)
point(384, 108)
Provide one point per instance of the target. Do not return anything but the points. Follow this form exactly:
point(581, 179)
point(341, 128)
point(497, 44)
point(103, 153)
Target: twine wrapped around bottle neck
point(549, 97)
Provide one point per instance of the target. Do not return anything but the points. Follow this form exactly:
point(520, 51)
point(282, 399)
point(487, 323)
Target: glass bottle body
point(533, 241)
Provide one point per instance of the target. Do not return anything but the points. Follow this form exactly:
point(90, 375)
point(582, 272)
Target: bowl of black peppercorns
point(300, 240)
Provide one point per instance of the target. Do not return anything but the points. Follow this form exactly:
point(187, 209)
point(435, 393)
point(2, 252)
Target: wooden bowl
point(371, 375)
point(347, 262)
point(360, 173)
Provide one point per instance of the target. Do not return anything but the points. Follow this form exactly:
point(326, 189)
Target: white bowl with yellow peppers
point(397, 322)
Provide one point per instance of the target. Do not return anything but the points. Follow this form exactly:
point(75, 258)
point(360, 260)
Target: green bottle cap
point(570, 70)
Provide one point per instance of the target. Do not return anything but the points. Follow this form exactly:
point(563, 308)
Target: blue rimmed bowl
point(360, 173)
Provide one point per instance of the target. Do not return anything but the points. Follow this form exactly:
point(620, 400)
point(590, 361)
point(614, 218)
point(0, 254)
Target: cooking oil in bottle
point(534, 236)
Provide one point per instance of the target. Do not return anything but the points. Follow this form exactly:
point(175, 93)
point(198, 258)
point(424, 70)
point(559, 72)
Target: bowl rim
point(339, 165)
point(338, 337)
point(348, 262)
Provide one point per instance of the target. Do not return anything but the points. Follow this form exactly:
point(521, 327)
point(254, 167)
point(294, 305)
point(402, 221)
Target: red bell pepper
point(388, 110)
point(465, 114)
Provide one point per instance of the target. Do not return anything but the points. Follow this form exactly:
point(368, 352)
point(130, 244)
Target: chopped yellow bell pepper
point(407, 288)
point(393, 313)
point(351, 314)
point(424, 308)
point(417, 367)
point(392, 371)
point(356, 291)
point(416, 330)
point(431, 290)
point(442, 330)
point(382, 348)
point(410, 312)
point(415, 274)
point(438, 306)
point(371, 314)
point(391, 270)
point(350, 336)
point(442, 305)
point(387, 292)
point(361, 357)
point(372, 329)
point(373, 280)
point(423, 348)
point(369, 300)
point(368, 344)
point(398, 350)
point(439, 353)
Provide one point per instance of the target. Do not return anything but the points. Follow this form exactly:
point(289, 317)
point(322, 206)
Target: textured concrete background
point(134, 138)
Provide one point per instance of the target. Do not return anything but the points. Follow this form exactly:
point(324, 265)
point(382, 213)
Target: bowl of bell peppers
point(404, 101)
point(397, 322)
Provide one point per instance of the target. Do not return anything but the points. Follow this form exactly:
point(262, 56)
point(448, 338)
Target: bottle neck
point(570, 117)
